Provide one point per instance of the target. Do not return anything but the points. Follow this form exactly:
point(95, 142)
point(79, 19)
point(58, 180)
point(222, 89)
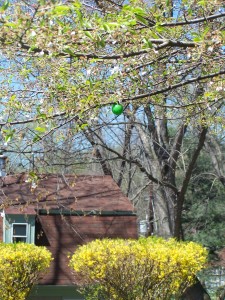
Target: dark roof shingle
point(77, 193)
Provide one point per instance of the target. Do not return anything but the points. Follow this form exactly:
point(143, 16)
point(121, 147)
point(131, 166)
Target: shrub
point(20, 267)
point(148, 268)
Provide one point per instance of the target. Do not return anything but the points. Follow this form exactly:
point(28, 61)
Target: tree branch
point(163, 43)
point(174, 86)
point(193, 21)
point(175, 151)
point(181, 193)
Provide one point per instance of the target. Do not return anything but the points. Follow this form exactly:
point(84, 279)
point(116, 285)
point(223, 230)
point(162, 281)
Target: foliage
point(65, 63)
point(74, 58)
point(21, 266)
point(204, 211)
point(151, 268)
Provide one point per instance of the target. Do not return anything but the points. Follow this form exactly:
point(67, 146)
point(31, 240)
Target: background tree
point(203, 216)
point(163, 61)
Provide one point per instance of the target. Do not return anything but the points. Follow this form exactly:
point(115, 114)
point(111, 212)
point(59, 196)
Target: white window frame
point(20, 236)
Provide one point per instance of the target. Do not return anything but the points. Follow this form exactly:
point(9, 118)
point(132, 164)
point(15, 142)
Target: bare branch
point(174, 86)
point(194, 21)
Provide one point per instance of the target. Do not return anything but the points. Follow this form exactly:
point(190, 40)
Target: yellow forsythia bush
point(145, 269)
point(20, 267)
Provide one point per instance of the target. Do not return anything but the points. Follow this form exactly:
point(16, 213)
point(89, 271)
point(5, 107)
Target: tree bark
point(181, 194)
point(217, 158)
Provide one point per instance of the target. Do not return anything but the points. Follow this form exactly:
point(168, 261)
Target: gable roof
point(69, 193)
point(72, 210)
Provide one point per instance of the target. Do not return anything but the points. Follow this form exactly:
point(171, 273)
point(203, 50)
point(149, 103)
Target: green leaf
point(101, 42)
point(197, 39)
point(113, 24)
point(160, 28)
point(84, 126)
point(208, 94)
point(4, 6)
point(139, 11)
point(61, 87)
point(8, 134)
point(40, 129)
point(106, 27)
point(148, 43)
point(79, 16)
point(77, 4)
point(67, 50)
point(88, 34)
point(190, 11)
point(202, 3)
point(127, 7)
point(130, 22)
point(13, 97)
point(10, 24)
point(89, 82)
point(206, 30)
point(61, 10)
point(140, 18)
point(33, 175)
point(36, 139)
point(154, 35)
point(42, 116)
point(8, 138)
point(32, 48)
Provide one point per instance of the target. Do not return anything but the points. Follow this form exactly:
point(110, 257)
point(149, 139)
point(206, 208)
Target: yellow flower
point(161, 268)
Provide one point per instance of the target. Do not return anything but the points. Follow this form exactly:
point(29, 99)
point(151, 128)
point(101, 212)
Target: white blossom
point(115, 70)
point(33, 33)
point(88, 72)
point(41, 53)
point(50, 44)
point(219, 88)
point(210, 49)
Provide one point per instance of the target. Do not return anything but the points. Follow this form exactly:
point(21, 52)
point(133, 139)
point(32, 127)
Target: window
point(19, 228)
point(19, 232)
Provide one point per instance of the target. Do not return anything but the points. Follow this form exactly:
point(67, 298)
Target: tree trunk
point(163, 215)
point(187, 177)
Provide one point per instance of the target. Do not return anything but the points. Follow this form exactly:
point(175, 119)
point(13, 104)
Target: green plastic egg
point(117, 109)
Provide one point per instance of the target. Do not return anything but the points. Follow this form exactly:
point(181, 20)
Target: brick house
point(62, 212)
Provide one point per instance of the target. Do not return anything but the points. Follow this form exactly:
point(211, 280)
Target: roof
point(69, 193)
point(71, 210)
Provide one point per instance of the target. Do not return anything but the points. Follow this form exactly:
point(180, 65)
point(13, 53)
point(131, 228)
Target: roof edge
point(66, 212)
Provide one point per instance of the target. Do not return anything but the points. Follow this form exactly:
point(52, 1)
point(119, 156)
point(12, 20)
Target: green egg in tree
point(117, 109)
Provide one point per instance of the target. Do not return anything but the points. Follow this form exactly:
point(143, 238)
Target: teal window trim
point(10, 220)
point(3, 227)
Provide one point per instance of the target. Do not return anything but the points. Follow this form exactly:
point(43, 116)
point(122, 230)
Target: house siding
point(69, 211)
point(62, 235)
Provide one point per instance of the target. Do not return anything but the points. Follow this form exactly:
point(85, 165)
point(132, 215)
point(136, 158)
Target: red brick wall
point(63, 234)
